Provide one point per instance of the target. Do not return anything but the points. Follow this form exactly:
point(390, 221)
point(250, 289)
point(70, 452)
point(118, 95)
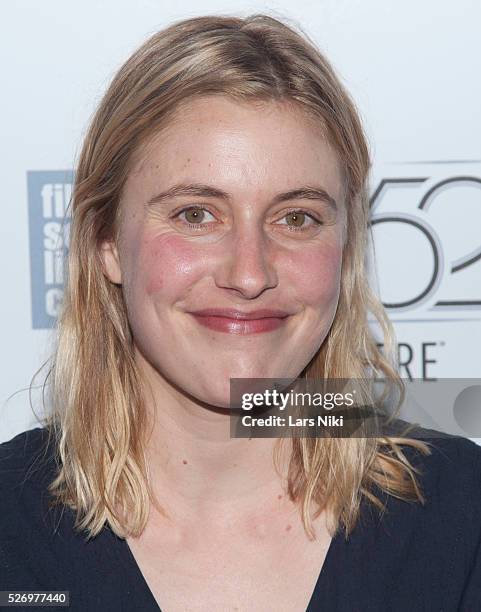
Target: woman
point(219, 222)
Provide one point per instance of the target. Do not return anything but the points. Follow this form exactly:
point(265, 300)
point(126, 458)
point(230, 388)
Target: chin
point(220, 397)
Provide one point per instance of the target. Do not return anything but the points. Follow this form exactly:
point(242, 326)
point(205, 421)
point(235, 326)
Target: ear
point(111, 262)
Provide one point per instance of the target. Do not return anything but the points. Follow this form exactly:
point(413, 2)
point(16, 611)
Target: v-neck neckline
point(136, 576)
point(325, 569)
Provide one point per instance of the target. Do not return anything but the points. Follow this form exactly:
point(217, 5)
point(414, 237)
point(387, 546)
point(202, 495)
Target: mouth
point(238, 322)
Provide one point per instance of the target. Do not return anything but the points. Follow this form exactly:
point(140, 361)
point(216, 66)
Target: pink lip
point(237, 322)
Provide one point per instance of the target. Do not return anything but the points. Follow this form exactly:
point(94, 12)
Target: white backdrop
point(413, 69)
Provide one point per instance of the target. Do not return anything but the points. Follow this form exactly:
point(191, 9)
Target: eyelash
point(196, 226)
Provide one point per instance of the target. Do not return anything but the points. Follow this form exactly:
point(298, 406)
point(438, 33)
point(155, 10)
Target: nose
point(247, 265)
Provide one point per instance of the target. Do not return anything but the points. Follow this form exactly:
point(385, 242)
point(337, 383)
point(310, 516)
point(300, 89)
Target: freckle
point(289, 527)
point(184, 461)
point(279, 497)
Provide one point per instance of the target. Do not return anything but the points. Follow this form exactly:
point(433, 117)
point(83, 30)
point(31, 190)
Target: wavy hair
point(97, 415)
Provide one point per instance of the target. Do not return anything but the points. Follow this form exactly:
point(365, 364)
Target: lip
point(233, 321)
point(232, 313)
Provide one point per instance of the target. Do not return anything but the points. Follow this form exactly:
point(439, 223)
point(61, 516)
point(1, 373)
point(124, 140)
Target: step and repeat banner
point(412, 70)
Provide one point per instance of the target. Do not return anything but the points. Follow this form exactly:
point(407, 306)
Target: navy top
point(413, 558)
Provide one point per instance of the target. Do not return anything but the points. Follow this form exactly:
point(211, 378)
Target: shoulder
point(449, 455)
point(449, 478)
point(452, 473)
point(28, 466)
point(29, 457)
point(453, 466)
point(450, 458)
point(448, 524)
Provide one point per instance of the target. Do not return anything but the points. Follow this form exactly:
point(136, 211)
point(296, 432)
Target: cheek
point(167, 262)
point(315, 274)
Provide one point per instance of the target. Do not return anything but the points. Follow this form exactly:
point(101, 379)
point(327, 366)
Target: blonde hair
point(97, 416)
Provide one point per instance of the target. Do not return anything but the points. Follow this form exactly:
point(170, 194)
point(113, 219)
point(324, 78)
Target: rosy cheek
point(316, 273)
point(167, 260)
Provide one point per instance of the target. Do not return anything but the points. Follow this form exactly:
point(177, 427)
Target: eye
point(194, 215)
point(296, 220)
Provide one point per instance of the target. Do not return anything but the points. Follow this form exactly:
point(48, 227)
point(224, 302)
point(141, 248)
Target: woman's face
point(208, 223)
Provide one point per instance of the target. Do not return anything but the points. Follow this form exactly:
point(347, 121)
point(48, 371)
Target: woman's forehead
point(232, 141)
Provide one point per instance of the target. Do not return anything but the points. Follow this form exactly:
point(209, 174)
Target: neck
point(198, 470)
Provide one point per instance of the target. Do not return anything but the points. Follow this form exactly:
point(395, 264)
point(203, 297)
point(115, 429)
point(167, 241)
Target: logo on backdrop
point(49, 194)
point(427, 245)
point(425, 220)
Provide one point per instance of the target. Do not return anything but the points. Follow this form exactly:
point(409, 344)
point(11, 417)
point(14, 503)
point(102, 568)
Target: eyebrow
point(206, 191)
